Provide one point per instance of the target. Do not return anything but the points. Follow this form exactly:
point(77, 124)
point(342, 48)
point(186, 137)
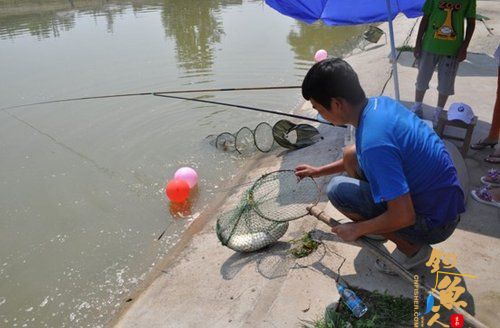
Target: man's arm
point(471, 25)
point(303, 171)
point(420, 36)
point(400, 214)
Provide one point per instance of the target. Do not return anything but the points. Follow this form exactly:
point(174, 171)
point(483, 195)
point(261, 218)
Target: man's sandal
point(493, 159)
point(481, 145)
point(408, 263)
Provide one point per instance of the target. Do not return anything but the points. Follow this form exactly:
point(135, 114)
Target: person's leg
point(494, 133)
point(408, 248)
point(427, 63)
point(353, 198)
point(419, 96)
point(351, 165)
point(495, 121)
point(442, 101)
point(447, 71)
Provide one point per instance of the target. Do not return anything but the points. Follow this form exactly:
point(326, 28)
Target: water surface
point(81, 183)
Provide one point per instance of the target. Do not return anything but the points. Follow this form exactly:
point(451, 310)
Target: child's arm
point(420, 36)
point(471, 25)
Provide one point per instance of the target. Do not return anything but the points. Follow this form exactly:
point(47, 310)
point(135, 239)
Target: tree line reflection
point(195, 26)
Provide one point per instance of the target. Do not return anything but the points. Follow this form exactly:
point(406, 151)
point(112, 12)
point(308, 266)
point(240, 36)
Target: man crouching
point(401, 181)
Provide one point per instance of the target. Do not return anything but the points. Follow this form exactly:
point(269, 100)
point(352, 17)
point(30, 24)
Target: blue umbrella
point(351, 12)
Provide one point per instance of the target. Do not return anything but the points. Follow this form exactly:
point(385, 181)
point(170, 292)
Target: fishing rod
point(153, 93)
point(249, 108)
point(167, 94)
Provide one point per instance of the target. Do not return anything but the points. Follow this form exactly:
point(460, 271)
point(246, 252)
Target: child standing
point(441, 42)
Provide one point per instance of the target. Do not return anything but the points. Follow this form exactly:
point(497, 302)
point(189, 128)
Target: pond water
point(82, 183)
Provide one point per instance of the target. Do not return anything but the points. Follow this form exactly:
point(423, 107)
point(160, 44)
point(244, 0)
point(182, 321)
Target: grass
point(384, 311)
point(405, 48)
point(303, 246)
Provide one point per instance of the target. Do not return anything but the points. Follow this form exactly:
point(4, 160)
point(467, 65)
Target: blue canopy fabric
point(346, 12)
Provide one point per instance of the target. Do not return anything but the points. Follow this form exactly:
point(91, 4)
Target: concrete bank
point(208, 285)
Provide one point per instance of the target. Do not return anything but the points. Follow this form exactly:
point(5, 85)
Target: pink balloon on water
point(320, 55)
point(187, 174)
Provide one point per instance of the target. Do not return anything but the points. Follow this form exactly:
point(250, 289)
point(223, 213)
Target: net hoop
point(266, 131)
point(256, 204)
point(244, 140)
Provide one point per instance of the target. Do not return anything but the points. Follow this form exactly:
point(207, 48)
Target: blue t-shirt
point(399, 153)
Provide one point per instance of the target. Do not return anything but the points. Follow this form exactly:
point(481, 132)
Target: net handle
point(372, 247)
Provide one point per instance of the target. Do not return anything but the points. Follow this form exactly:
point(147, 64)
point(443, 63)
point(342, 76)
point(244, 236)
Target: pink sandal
point(483, 195)
point(492, 178)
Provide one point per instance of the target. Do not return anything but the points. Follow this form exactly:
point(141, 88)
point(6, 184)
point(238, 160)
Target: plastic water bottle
point(352, 301)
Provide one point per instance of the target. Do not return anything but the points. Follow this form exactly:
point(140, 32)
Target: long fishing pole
point(233, 89)
point(249, 108)
point(152, 93)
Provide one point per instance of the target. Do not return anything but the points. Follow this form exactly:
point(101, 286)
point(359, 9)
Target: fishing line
point(249, 108)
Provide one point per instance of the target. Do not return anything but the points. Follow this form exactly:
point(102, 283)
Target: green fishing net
point(243, 230)
point(260, 218)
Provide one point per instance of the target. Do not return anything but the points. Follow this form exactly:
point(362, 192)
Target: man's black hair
point(332, 78)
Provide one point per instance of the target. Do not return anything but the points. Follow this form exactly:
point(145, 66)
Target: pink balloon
point(320, 55)
point(187, 174)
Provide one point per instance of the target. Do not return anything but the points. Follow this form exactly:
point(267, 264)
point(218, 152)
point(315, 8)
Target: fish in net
point(243, 230)
point(226, 142)
point(261, 217)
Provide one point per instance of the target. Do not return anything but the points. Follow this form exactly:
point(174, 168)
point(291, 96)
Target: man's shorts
point(351, 195)
point(447, 71)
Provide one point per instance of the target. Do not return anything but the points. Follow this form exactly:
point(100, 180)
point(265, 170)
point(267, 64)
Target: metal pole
point(393, 50)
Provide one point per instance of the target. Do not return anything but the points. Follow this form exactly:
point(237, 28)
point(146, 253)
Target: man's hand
point(347, 231)
point(304, 170)
point(462, 53)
